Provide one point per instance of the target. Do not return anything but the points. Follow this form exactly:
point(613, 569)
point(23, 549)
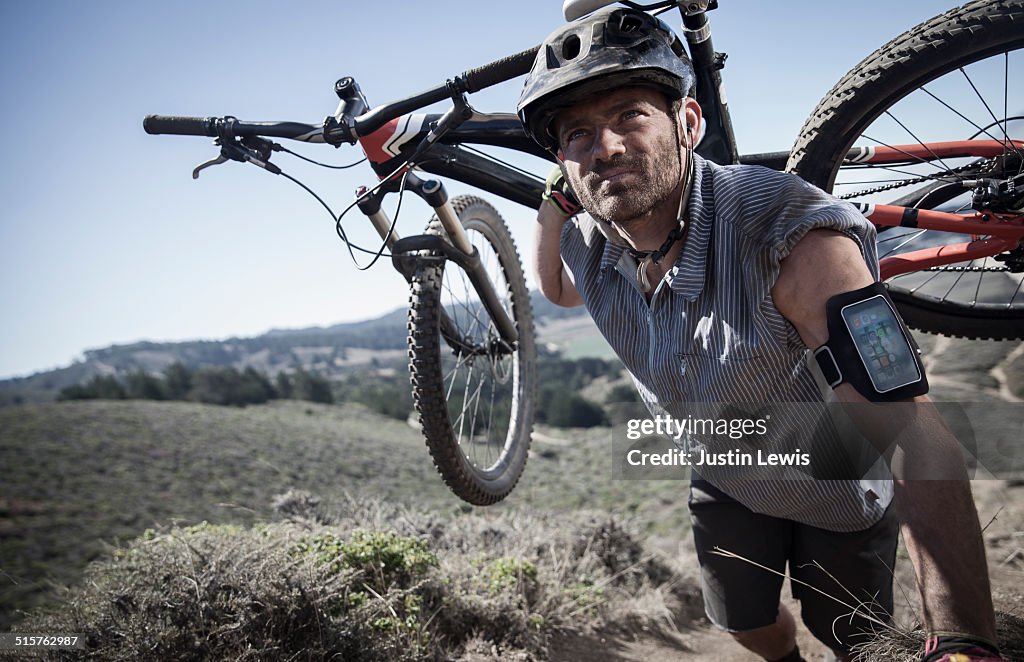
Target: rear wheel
point(474, 396)
point(950, 78)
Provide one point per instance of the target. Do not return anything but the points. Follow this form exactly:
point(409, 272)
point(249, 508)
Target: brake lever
point(208, 164)
point(251, 150)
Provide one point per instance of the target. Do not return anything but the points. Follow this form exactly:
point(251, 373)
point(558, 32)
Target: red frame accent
point(1006, 226)
point(1005, 232)
point(934, 257)
point(373, 144)
point(931, 151)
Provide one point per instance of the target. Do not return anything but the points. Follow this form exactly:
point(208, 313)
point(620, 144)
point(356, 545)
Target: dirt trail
point(1000, 505)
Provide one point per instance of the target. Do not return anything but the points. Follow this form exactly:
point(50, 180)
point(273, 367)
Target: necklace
point(655, 256)
point(644, 258)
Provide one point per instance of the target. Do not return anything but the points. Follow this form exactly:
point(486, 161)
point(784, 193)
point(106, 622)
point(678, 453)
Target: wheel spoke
point(919, 141)
point(981, 98)
point(980, 129)
point(897, 248)
point(977, 289)
point(1016, 291)
point(955, 282)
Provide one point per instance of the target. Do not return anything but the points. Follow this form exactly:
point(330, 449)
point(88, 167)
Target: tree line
point(219, 385)
point(559, 402)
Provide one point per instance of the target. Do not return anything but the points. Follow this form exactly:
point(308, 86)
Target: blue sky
point(104, 236)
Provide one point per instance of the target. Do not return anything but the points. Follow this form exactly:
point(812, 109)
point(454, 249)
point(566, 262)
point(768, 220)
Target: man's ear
point(689, 117)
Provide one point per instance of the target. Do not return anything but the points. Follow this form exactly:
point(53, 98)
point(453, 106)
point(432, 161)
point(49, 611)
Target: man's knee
point(772, 642)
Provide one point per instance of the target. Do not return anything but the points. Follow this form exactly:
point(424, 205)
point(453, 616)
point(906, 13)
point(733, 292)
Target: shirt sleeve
point(810, 208)
point(776, 211)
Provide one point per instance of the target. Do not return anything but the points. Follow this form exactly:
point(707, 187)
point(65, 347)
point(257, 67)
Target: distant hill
point(330, 351)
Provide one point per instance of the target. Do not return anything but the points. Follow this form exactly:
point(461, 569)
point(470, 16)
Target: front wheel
point(952, 78)
point(474, 395)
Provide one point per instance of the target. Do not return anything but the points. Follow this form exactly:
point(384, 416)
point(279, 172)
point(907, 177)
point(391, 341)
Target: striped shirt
point(711, 333)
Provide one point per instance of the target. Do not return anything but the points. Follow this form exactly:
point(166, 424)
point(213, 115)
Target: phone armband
point(870, 348)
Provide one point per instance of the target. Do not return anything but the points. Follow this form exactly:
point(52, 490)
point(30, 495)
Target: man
point(711, 283)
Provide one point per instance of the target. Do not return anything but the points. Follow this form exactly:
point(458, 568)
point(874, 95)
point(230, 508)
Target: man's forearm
point(933, 499)
point(552, 280)
point(942, 533)
point(940, 526)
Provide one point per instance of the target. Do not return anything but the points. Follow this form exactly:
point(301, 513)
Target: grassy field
point(82, 476)
point(84, 481)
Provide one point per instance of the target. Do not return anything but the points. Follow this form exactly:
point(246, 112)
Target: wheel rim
point(480, 384)
point(974, 101)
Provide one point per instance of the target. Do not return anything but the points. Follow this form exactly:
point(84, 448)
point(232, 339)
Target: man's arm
point(940, 523)
point(552, 278)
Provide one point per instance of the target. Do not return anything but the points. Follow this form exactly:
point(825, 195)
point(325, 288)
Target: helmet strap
point(654, 257)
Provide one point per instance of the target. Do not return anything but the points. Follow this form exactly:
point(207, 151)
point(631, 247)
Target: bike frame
point(394, 136)
point(1006, 231)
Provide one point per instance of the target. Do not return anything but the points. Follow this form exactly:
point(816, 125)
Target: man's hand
point(552, 278)
point(560, 195)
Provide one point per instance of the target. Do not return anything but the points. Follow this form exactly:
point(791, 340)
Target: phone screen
point(886, 352)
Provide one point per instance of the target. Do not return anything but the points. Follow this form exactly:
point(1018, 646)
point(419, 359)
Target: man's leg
point(739, 597)
point(854, 568)
point(772, 642)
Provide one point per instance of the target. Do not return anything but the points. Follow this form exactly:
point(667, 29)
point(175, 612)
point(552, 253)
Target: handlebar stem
point(340, 127)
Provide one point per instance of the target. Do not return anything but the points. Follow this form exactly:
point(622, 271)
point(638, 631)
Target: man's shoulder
point(583, 228)
point(758, 200)
point(759, 182)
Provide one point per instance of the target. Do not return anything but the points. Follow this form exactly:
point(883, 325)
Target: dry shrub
point(905, 645)
point(371, 581)
point(204, 592)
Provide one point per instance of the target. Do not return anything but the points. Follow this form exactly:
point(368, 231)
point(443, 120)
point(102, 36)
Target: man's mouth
point(616, 175)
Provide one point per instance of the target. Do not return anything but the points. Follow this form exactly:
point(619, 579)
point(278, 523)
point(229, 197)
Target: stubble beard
point(622, 202)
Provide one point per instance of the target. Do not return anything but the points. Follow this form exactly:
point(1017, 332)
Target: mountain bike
point(897, 135)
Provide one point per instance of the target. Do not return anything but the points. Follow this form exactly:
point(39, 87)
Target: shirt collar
point(690, 270)
point(688, 275)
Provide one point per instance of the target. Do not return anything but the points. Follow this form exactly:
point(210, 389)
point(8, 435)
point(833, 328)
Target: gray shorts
point(739, 596)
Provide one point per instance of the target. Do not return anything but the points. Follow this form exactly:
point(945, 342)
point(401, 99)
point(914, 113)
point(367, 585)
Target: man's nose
point(607, 144)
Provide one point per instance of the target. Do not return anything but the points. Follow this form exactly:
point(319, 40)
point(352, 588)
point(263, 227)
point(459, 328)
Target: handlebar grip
point(182, 126)
point(500, 70)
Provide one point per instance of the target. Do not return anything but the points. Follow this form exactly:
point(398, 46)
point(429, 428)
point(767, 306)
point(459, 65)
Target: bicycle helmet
point(610, 48)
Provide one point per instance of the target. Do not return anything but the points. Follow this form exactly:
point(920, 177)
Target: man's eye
point(630, 114)
point(574, 134)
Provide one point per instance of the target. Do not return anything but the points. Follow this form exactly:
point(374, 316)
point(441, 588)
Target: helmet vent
point(571, 48)
point(629, 23)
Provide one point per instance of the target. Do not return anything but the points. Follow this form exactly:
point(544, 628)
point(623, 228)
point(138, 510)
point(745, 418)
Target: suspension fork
point(408, 253)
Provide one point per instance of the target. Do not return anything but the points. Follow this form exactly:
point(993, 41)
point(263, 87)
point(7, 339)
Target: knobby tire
point(476, 412)
point(871, 94)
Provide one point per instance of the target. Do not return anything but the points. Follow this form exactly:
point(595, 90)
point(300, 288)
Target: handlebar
point(216, 126)
point(182, 126)
point(470, 81)
point(499, 71)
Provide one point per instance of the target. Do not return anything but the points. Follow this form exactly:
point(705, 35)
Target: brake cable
point(337, 218)
point(281, 148)
point(256, 150)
